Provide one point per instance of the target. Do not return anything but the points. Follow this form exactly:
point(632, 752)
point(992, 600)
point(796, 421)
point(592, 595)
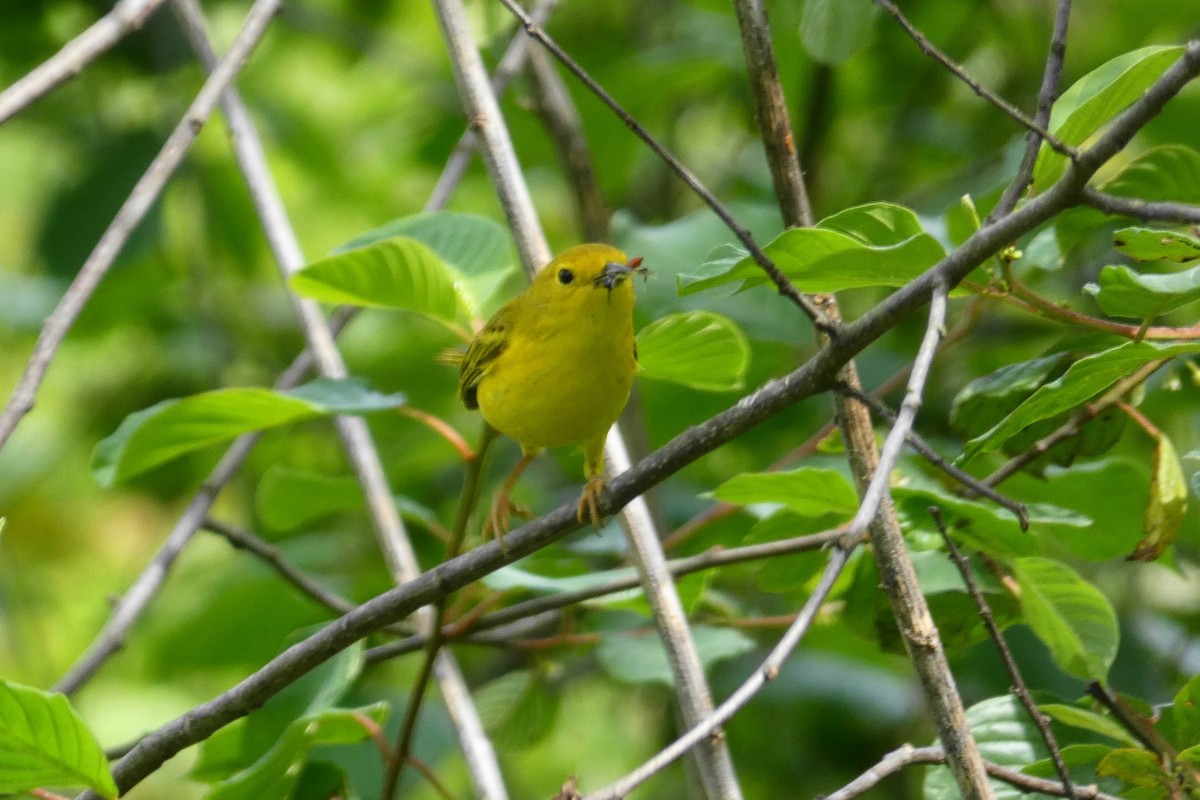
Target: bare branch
point(356, 436)
point(1020, 689)
point(1145, 210)
point(898, 575)
point(554, 105)
point(780, 280)
point(908, 756)
point(268, 554)
point(929, 454)
point(872, 499)
point(813, 376)
point(507, 68)
point(927, 47)
point(678, 567)
point(771, 110)
point(1051, 76)
point(716, 766)
point(125, 17)
point(768, 671)
point(131, 213)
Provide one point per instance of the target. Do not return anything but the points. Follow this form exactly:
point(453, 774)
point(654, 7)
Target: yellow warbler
point(554, 366)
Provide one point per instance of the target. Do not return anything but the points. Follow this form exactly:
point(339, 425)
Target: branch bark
point(714, 762)
point(131, 213)
point(124, 18)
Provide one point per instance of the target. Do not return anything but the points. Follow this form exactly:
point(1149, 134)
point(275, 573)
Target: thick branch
point(814, 376)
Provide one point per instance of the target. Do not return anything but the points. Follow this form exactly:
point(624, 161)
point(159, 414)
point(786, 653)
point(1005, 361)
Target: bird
point(555, 365)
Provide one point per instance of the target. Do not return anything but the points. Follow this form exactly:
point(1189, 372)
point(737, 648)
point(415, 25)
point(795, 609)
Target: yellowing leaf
point(1167, 505)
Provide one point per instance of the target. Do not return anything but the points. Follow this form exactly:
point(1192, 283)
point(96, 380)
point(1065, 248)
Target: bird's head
point(587, 274)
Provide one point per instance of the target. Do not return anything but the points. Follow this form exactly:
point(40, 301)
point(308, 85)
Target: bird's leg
point(502, 506)
point(593, 469)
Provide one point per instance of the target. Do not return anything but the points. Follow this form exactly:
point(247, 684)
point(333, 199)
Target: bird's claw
point(497, 523)
point(588, 501)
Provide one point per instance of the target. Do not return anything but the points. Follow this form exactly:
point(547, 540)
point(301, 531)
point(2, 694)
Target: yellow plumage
point(554, 366)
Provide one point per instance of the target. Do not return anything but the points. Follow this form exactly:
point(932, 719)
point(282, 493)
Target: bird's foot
point(588, 500)
point(497, 523)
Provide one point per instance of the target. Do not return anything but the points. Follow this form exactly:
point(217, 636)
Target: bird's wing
point(483, 351)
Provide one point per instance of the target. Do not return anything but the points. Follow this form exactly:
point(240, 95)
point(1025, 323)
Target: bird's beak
point(614, 273)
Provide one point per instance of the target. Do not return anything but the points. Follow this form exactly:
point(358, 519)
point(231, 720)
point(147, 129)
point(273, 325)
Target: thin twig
point(133, 210)
point(922, 447)
point(125, 17)
point(1145, 210)
point(356, 436)
point(695, 701)
point(908, 756)
point(508, 68)
point(1026, 299)
point(678, 567)
point(1020, 689)
point(768, 671)
point(813, 376)
point(1131, 721)
point(137, 598)
point(554, 105)
point(897, 572)
point(873, 497)
point(770, 108)
point(244, 540)
point(466, 507)
point(781, 281)
point(928, 48)
point(1051, 77)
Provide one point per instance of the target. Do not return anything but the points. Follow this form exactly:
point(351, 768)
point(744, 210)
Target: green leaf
point(477, 247)
point(1005, 735)
point(982, 525)
point(289, 498)
point(985, 401)
point(44, 742)
point(517, 709)
point(785, 573)
point(1072, 617)
point(247, 742)
point(1123, 292)
point(879, 244)
point(1168, 173)
point(154, 436)
point(1152, 244)
point(808, 491)
point(1095, 99)
point(833, 30)
point(398, 273)
point(1082, 381)
point(1167, 505)
point(1088, 720)
point(1185, 715)
point(637, 657)
point(276, 773)
point(699, 349)
point(1134, 766)
point(962, 220)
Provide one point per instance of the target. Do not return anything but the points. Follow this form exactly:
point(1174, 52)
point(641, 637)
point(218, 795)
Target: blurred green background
point(358, 111)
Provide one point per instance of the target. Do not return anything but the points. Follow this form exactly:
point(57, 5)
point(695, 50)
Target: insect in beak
point(613, 273)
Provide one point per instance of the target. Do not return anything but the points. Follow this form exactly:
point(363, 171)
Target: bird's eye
point(565, 276)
